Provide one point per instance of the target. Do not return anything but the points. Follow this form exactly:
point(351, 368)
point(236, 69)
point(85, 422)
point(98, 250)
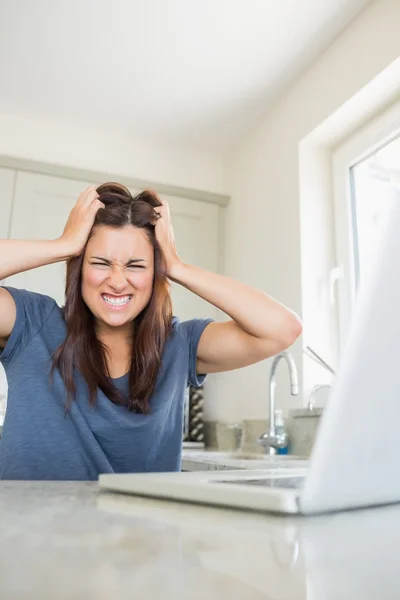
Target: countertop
point(208, 460)
point(67, 540)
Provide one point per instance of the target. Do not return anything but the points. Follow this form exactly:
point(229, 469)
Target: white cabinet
point(7, 178)
point(196, 233)
point(40, 210)
point(195, 226)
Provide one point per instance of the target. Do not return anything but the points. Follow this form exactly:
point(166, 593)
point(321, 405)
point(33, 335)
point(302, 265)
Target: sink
point(267, 457)
point(244, 460)
point(264, 461)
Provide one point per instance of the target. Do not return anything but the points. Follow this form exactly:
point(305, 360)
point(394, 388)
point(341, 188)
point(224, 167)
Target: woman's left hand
point(165, 237)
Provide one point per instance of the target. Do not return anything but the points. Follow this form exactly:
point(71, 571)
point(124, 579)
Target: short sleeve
point(33, 311)
point(193, 330)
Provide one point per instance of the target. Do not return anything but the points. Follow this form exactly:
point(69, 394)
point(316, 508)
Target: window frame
point(365, 141)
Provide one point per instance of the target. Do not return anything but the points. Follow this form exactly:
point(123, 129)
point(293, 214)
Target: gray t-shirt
point(39, 442)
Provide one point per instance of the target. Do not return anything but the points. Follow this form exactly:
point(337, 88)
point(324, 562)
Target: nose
point(117, 280)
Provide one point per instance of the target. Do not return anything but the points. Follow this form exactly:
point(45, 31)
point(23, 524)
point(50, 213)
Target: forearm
point(252, 310)
point(17, 256)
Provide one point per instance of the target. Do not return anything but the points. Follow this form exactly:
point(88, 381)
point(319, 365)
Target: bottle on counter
point(281, 432)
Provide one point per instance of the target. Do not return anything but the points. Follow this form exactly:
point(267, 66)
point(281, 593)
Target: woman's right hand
point(80, 221)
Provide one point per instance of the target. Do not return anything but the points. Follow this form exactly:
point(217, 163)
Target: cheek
point(141, 281)
point(94, 277)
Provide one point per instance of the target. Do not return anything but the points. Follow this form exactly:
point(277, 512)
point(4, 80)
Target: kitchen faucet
point(272, 440)
point(320, 361)
point(314, 392)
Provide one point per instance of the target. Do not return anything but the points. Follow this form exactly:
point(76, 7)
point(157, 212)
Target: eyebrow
point(109, 262)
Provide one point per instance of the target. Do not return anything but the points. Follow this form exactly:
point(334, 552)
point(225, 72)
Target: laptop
point(355, 460)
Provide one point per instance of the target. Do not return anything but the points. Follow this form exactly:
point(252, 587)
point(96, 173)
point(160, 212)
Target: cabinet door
point(196, 234)
point(7, 178)
point(41, 207)
point(196, 229)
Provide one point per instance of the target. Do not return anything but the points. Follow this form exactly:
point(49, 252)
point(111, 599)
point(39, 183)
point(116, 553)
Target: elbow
point(293, 330)
point(297, 330)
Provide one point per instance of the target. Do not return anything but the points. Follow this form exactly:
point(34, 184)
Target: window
point(371, 182)
point(366, 169)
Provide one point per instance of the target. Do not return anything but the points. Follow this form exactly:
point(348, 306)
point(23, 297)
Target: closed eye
point(129, 266)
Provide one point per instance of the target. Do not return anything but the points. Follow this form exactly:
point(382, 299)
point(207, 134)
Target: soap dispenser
point(281, 433)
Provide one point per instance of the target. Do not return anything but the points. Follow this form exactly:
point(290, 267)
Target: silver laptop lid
point(356, 457)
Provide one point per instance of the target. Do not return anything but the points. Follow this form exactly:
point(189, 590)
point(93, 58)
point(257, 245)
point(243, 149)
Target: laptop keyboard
point(269, 482)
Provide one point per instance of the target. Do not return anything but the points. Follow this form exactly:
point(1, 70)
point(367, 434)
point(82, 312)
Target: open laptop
point(355, 461)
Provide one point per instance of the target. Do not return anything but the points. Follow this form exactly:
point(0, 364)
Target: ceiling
point(196, 73)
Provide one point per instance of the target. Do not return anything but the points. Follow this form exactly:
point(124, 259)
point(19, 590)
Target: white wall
point(263, 220)
point(110, 152)
point(263, 236)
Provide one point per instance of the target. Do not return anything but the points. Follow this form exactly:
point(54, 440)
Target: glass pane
point(372, 182)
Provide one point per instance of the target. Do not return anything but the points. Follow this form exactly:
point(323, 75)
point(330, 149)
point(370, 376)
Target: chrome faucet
point(314, 392)
point(272, 440)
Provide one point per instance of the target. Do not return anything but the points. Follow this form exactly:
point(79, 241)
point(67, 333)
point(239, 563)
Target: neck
point(115, 337)
point(117, 342)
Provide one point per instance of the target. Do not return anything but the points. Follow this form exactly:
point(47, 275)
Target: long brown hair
point(82, 349)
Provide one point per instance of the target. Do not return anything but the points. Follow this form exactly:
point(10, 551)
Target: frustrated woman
point(98, 385)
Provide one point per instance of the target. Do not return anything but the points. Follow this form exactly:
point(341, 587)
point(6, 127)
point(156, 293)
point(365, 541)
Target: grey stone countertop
point(208, 460)
point(68, 540)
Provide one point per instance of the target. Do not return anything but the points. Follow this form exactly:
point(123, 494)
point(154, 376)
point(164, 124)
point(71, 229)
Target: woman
point(98, 385)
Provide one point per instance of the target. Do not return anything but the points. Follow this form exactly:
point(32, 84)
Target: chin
point(116, 320)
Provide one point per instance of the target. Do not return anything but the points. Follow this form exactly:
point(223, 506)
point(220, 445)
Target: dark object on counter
point(193, 426)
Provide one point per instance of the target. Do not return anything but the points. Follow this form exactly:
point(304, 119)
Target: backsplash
point(302, 426)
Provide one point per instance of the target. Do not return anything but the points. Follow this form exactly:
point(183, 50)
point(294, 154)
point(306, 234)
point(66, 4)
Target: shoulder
point(32, 304)
point(189, 330)
point(33, 312)
point(188, 334)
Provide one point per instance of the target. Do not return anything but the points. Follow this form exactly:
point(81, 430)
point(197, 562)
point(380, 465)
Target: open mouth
point(116, 302)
